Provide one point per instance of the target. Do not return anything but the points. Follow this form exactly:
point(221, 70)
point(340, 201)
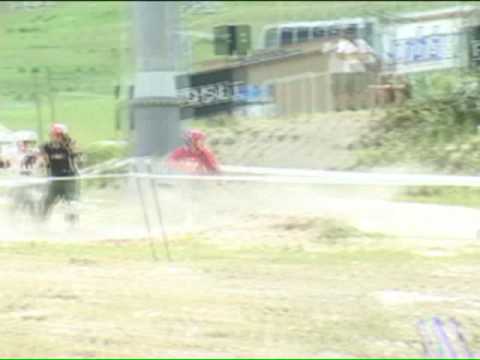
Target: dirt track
point(195, 207)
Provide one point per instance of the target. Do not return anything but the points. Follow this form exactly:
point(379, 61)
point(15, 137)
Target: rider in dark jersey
point(60, 158)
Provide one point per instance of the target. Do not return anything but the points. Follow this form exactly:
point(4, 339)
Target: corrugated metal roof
point(457, 10)
point(463, 13)
point(327, 46)
point(342, 21)
point(268, 55)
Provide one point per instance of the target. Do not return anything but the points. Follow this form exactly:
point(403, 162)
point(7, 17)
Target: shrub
point(104, 151)
point(435, 131)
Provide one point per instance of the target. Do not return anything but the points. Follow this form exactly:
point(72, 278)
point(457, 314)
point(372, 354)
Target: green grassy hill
point(86, 47)
point(81, 42)
point(261, 13)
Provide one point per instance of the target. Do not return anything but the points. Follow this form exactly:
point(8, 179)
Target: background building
point(323, 76)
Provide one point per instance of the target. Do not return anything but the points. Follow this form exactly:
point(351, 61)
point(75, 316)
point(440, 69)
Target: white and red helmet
point(25, 139)
point(26, 136)
point(193, 135)
point(59, 129)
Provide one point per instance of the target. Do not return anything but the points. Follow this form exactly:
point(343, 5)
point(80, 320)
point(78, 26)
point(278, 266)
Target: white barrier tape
point(334, 179)
point(362, 178)
point(304, 172)
point(276, 171)
point(28, 181)
point(328, 178)
point(232, 173)
point(111, 164)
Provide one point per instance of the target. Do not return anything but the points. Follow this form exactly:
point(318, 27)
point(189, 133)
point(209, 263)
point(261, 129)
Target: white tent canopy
point(6, 135)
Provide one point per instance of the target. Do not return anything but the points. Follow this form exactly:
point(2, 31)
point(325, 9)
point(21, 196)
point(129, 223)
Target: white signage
point(224, 92)
point(422, 45)
point(210, 94)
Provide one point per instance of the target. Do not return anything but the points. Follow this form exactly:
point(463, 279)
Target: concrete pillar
point(158, 51)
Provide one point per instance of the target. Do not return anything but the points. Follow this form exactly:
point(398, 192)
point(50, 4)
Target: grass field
point(81, 43)
point(89, 118)
point(110, 299)
point(85, 48)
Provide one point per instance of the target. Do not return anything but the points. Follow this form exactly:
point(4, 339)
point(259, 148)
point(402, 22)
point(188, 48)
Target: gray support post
point(38, 104)
point(158, 51)
point(51, 96)
point(159, 211)
point(145, 214)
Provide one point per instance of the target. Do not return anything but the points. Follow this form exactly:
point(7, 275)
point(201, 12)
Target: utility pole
point(38, 103)
point(51, 96)
point(156, 107)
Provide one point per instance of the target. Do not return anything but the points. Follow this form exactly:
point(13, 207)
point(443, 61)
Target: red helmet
point(193, 135)
point(58, 129)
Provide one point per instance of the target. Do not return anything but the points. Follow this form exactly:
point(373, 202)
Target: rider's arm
point(181, 160)
point(44, 158)
point(209, 161)
point(71, 146)
point(175, 157)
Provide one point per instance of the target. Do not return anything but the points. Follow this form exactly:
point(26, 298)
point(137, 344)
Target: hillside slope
point(322, 141)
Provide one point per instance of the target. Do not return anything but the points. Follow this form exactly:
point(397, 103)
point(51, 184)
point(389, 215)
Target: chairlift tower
point(158, 51)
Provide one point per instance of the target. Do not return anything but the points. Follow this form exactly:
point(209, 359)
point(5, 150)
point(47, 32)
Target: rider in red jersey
point(194, 156)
